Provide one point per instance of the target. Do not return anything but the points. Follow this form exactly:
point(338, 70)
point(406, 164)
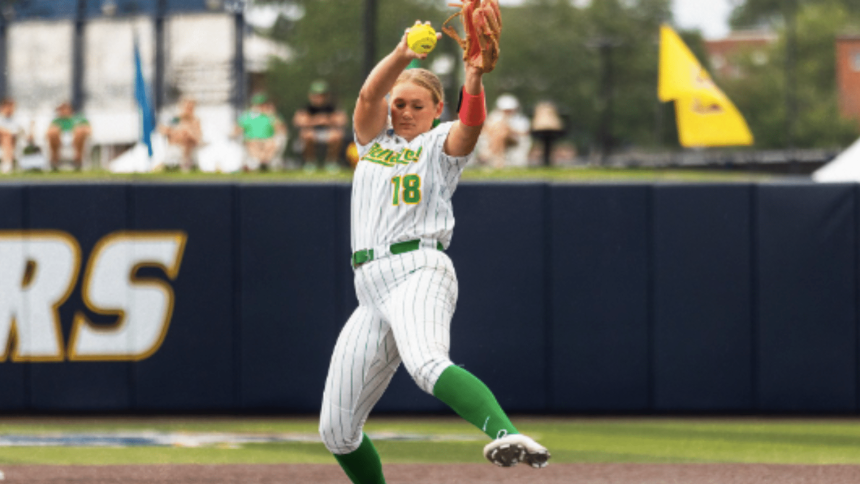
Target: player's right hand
point(403, 47)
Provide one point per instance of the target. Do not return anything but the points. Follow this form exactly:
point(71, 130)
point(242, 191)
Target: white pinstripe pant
point(406, 302)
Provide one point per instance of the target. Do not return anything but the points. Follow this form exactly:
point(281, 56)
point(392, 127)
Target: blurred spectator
point(506, 135)
point(320, 123)
point(183, 137)
point(10, 130)
point(263, 132)
point(547, 128)
point(68, 129)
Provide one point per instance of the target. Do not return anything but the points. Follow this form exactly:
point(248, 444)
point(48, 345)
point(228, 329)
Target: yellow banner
point(705, 115)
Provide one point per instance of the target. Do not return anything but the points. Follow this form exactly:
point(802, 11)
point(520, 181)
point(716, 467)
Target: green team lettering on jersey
point(389, 157)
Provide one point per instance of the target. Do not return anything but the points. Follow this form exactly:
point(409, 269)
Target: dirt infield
point(440, 474)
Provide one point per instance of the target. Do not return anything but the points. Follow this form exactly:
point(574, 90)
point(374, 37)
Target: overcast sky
point(709, 16)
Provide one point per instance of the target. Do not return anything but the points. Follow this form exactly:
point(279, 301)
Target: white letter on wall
point(38, 270)
point(143, 307)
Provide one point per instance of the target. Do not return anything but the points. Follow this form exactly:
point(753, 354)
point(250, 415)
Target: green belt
point(363, 256)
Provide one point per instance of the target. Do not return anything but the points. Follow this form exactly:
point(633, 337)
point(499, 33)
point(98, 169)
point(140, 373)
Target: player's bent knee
point(338, 438)
point(339, 444)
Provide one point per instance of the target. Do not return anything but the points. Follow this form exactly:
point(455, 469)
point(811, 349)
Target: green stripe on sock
point(472, 400)
point(362, 466)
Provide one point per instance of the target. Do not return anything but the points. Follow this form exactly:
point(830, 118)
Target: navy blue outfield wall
point(573, 298)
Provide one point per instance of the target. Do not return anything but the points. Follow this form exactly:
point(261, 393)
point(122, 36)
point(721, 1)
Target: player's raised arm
point(464, 134)
point(371, 110)
point(482, 24)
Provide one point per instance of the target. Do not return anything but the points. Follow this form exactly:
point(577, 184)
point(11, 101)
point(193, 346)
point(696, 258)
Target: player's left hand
point(482, 23)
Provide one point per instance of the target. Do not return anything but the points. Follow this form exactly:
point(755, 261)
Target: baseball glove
point(482, 23)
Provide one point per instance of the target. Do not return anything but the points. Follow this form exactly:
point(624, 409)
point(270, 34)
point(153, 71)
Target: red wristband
point(473, 110)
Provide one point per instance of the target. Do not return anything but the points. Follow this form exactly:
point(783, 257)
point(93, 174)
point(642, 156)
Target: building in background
point(848, 75)
point(726, 54)
point(82, 51)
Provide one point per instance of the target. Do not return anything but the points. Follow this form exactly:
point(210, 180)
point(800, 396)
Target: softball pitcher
point(402, 221)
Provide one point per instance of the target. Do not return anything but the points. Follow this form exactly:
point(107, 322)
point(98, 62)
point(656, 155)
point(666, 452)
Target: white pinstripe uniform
point(400, 192)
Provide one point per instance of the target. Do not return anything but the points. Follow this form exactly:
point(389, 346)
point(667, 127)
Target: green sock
point(472, 400)
point(363, 465)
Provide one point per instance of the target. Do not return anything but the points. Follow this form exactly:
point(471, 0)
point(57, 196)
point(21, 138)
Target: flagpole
point(790, 12)
point(158, 84)
point(4, 61)
point(369, 36)
point(78, 55)
point(239, 75)
point(606, 140)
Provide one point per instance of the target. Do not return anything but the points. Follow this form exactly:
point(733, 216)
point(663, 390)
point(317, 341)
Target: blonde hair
point(423, 78)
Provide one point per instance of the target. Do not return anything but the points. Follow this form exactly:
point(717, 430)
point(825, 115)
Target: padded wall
point(89, 213)
point(598, 273)
point(498, 251)
point(13, 377)
point(702, 305)
point(195, 366)
point(287, 279)
point(612, 298)
point(806, 306)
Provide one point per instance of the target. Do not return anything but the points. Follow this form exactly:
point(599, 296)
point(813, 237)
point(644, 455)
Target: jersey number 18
point(409, 186)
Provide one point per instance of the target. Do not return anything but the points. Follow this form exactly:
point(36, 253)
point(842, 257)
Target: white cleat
point(512, 449)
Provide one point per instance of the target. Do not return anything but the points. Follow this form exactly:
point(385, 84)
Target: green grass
point(786, 441)
point(253, 454)
point(572, 175)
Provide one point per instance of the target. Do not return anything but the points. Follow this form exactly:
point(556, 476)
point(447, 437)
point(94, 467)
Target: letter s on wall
point(143, 306)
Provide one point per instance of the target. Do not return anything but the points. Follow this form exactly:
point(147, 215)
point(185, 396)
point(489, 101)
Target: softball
point(421, 39)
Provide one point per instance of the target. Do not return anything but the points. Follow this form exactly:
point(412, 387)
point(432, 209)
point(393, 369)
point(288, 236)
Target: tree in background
point(544, 57)
point(768, 13)
point(757, 13)
point(328, 43)
point(551, 51)
point(760, 93)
